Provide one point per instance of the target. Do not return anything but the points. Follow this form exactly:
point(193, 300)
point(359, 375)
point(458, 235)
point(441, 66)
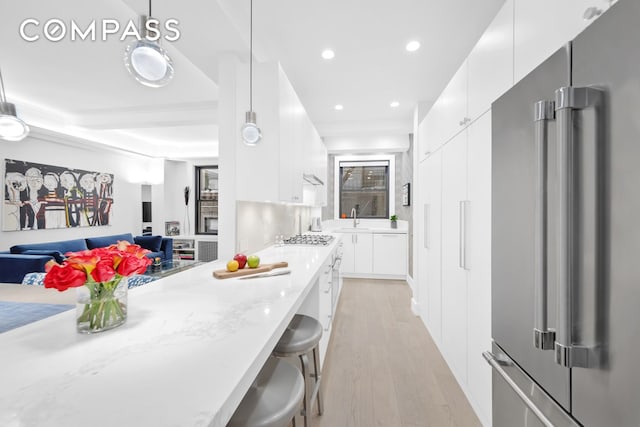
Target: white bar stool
point(274, 398)
point(301, 337)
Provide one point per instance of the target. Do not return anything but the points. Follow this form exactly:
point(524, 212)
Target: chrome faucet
point(353, 215)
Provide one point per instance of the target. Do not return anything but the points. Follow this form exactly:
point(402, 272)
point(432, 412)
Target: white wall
point(59, 150)
point(259, 223)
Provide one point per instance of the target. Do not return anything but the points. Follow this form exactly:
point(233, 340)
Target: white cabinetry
point(490, 63)
point(292, 139)
point(479, 264)
point(357, 256)
point(423, 147)
point(448, 115)
point(543, 26)
point(325, 314)
point(429, 249)
point(375, 254)
point(454, 275)
point(485, 75)
point(290, 146)
point(454, 257)
point(390, 254)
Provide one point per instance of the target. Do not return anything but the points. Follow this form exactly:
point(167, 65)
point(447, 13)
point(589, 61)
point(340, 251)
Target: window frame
point(198, 199)
point(365, 158)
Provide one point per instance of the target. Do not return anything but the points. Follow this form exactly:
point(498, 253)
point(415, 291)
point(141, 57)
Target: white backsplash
point(259, 223)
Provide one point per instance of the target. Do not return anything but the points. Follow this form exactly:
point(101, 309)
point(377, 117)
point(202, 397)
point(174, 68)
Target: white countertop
point(365, 226)
point(369, 230)
point(190, 349)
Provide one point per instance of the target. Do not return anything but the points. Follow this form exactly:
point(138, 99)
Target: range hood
point(312, 179)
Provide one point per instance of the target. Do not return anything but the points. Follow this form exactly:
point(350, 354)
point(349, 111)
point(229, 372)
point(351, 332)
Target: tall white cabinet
point(454, 274)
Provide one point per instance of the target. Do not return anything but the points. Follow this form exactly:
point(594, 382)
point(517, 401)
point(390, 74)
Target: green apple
point(253, 261)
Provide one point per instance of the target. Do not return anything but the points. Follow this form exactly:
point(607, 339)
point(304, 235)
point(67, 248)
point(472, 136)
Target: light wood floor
point(382, 367)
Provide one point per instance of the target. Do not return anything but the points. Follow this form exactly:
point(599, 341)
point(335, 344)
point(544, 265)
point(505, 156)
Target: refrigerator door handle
point(569, 99)
point(543, 337)
point(497, 364)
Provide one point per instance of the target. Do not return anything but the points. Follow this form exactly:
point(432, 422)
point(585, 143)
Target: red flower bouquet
point(100, 277)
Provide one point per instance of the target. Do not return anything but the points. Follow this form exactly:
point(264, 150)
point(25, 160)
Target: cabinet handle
point(388, 235)
point(427, 217)
point(463, 234)
point(591, 12)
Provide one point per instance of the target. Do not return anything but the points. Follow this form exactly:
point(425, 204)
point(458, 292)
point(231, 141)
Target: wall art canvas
point(38, 196)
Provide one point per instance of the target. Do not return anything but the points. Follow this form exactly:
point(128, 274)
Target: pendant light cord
point(3, 97)
point(251, 56)
point(149, 8)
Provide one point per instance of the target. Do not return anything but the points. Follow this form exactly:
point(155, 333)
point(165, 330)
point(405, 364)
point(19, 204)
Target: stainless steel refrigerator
point(566, 234)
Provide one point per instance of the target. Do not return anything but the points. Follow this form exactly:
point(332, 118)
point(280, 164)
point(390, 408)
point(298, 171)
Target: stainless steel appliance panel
point(513, 207)
point(519, 401)
point(607, 55)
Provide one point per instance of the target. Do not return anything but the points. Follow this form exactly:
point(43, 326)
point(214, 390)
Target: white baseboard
point(373, 276)
point(415, 307)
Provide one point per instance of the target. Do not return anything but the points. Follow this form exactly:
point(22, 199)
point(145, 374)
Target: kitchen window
point(206, 199)
point(365, 186)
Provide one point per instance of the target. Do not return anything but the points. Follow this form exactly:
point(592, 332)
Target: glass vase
point(101, 306)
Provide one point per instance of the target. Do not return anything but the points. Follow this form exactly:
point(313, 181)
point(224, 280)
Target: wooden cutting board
point(263, 268)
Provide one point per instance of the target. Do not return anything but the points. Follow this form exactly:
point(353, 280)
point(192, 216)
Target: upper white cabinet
point(485, 75)
point(543, 26)
point(294, 135)
point(290, 147)
point(490, 63)
point(423, 147)
point(448, 115)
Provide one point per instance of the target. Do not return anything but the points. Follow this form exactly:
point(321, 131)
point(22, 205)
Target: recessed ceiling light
point(394, 104)
point(413, 45)
point(328, 54)
point(338, 107)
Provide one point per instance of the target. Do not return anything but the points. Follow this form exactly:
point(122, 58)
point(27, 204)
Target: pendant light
point(11, 127)
point(251, 133)
point(145, 59)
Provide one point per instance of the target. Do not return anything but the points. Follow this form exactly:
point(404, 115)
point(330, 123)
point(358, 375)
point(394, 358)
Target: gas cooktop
point(309, 239)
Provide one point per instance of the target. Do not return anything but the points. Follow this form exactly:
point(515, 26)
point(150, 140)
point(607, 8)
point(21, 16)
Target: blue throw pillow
point(57, 255)
point(103, 242)
point(152, 243)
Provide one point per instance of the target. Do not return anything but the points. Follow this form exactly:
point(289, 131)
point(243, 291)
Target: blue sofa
point(32, 257)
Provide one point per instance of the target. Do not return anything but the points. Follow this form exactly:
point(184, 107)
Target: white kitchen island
point(190, 349)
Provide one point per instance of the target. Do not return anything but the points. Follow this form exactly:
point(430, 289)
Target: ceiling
point(82, 88)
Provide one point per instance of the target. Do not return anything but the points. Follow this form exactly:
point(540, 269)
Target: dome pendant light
point(145, 59)
point(251, 133)
point(11, 127)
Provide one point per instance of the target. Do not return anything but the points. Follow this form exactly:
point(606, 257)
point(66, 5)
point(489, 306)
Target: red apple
point(242, 260)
